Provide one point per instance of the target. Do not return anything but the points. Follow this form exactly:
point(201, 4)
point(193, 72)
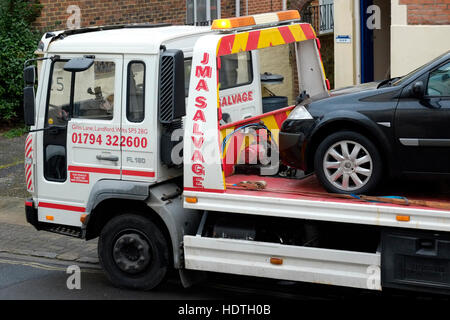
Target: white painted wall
point(344, 57)
point(414, 45)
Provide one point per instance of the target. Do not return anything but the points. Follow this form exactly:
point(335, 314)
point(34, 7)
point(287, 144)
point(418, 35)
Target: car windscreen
point(412, 73)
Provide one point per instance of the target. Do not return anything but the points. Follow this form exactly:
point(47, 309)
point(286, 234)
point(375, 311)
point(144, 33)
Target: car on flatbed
point(354, 137)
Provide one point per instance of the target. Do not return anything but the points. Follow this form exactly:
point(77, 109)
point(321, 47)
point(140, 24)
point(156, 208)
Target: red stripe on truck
point(61, 207)
point(136, 173)
point(94, 170)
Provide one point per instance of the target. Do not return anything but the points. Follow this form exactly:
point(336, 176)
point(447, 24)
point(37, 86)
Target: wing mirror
point(78, 64)
point(29, 105)
point(29, 77)
point(418, 89)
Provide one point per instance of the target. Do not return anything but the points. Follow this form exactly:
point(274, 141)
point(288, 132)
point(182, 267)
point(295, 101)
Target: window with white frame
point(202, 12)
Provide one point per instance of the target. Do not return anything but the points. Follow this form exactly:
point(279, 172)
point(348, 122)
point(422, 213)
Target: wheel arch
point(363, 126)
point(147, 200)
point(112, 207)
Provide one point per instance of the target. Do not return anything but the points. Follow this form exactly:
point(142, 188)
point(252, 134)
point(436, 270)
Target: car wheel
point(133, 252)
point(347, 162)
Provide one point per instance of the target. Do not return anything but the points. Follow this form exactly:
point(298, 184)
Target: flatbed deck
point(306, 199)
point(310, 188)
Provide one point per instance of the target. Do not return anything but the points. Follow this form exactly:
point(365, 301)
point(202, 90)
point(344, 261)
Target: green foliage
point(18, 42)
point(15, 132)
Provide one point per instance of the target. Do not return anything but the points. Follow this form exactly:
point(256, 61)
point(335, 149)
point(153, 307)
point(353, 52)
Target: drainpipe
point(238, 8)
point(284, 7)
point(357, 40)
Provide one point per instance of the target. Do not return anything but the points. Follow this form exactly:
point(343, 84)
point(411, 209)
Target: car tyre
point(348, 162)
point(133, 252)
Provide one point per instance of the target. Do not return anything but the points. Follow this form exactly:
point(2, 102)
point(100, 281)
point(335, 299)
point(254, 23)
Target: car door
point(422, 125)
point(80, 145)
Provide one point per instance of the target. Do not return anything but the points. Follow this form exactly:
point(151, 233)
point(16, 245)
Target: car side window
point(439, 81)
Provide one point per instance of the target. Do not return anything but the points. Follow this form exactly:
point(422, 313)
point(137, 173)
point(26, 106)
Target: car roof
point(133, 40)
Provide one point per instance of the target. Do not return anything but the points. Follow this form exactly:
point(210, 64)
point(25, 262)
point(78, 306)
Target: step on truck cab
point(162, 141)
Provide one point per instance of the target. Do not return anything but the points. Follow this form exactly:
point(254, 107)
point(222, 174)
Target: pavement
point(12, 174)
point(16, 235)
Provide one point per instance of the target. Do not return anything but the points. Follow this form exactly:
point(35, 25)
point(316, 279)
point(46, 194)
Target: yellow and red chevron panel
point(29, 162)
point(259, 39)
point(272, 120)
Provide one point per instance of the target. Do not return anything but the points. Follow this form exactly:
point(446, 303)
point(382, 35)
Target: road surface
point(24, 277)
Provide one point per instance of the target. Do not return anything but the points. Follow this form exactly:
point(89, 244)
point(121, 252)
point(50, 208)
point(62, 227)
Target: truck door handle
point(108, 158)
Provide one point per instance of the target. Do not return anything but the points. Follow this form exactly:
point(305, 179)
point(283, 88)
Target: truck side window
point(94, 92)
point(57, 114)
point(235, 70)
point(59, 95)
point(187, 75)
point(136, 91)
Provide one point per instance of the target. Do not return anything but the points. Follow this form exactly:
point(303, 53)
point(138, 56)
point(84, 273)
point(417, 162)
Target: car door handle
point(107, 157)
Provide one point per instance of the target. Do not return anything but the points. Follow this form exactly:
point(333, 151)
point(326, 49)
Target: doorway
point(375, 39)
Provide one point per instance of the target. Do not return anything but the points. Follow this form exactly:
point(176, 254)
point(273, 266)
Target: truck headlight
point(299, 113)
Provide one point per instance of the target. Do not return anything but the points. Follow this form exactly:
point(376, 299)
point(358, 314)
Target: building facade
point(379, 39)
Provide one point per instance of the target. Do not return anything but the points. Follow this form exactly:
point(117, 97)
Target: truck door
point(81, 145)
point(139, 121)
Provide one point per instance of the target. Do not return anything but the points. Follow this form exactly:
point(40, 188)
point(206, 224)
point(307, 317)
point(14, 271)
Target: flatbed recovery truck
point(138, 132)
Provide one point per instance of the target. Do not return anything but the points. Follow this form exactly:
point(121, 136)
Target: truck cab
point(114, 119)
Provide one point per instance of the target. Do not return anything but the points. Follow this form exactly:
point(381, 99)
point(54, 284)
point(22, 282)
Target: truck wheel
point(133, 252)
point(347, 162)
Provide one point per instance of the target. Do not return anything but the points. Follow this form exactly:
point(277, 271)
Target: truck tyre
point(347, 162)
point(133, 252)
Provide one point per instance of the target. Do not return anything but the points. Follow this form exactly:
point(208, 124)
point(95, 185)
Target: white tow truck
point(158, 140)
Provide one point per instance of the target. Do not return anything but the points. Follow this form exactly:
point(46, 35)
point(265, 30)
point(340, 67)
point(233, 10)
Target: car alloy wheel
point(347, 165)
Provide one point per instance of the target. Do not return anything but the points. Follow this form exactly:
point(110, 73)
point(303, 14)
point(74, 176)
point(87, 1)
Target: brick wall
point(106, 12)
point(430, 12)
point(260, 6)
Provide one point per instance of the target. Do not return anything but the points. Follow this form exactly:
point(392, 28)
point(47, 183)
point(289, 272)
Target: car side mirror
point(418, 89)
